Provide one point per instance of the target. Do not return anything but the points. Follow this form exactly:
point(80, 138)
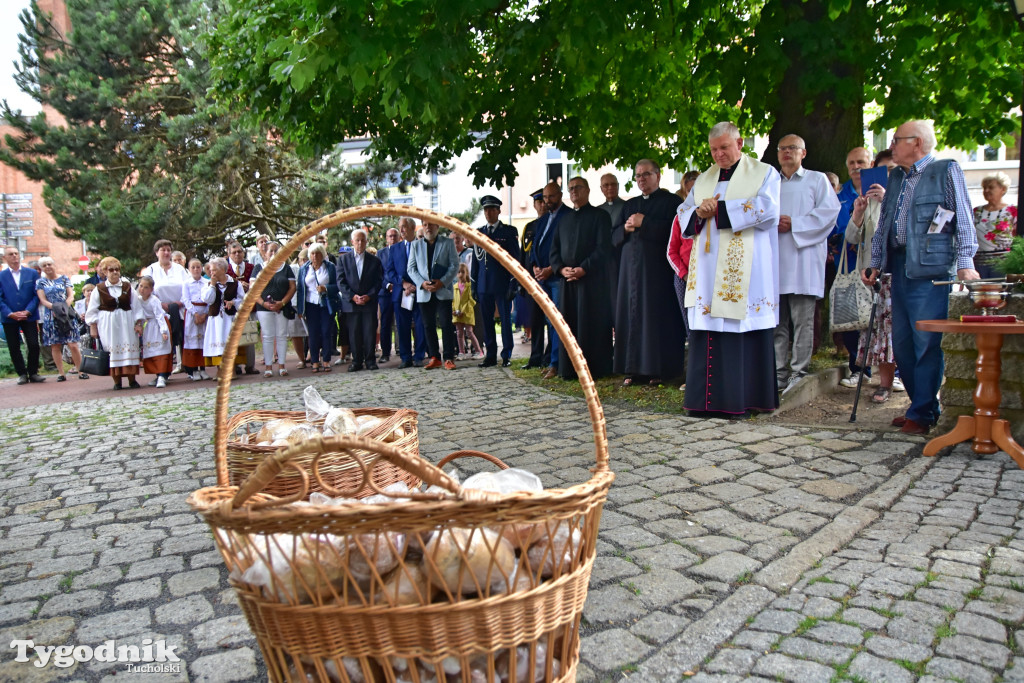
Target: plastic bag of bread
point(407, 585)
point(316, 406)
point(509, 481)
point(296, 569)
point(274, 430)
point(301, 432)
point(502, 666)
point(392, 494)
point(366, 424)
point(469, 561)
point(339, 422)
point(554, 549)
point(374, 555)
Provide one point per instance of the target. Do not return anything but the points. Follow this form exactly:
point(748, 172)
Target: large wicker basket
point(339, 473)
point(447, 584)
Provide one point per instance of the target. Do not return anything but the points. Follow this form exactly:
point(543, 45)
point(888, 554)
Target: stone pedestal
point(957, 394)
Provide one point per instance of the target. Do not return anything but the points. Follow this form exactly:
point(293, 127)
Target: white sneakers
point(203, 375)
point(152, 382)
point(851, 381)
point(897, 384)
point(161, 383)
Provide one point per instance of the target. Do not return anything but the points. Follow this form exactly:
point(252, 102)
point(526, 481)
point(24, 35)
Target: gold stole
point(736, 253)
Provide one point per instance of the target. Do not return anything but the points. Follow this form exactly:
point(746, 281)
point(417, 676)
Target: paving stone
point(708, 475)
point(870, 668)
point(662, 587)
point(630, 537)
point(54, 631)
point(777, 621)
point(19, 611)
point(831, 632)
point(819, 652)
point(755, 640)
point(613, 649)
point(659, 626)
point(222, 632)
point(136, 591)
point(193, 581)
point(956, 569)
point(954, 669)
point(612, 604)
point(113, 625)
point(70, 603)
point(190, 610)
point(867, 619)
point(974, 650)
point(781, 667)
point(733, 661)
point(968, 624)
point(800, 522)
point(821, 608)
point(667, 555)
point(234, 665)
point(727, 566)
point(612, 568)
point(729, 492)
point(890, 648)
point(713, 545)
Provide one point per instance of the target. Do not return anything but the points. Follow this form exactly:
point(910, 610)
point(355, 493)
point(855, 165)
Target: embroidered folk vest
point(109, 303)
point(230, 292)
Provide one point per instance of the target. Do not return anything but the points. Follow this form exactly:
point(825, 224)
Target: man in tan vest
point(732, 287)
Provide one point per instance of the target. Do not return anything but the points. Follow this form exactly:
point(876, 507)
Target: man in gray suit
point(433, 264)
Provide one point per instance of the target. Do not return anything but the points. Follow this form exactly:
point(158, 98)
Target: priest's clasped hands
point(572, 274)
point(708, 208)
point(634, 221)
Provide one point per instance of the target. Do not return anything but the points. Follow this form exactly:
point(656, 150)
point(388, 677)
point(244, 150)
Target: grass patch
point(820, 579)
point(916, 668)
point(744, 578)
point(806, 625)
point(944, 631)
point(975, 592)
point(631, 587)
point(887, 613)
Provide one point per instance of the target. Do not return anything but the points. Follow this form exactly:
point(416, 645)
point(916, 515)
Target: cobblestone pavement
point(728, 550)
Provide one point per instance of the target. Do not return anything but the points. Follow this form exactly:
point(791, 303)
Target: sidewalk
point(728, 550)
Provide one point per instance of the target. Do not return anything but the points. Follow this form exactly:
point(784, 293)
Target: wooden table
point(988, 432)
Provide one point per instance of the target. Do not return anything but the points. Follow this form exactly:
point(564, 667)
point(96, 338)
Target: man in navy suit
point(387, 305)
point(492, 283)
point(360, 275)
point(432, 266)
point(398, 277)
point(19, 313)
point(550, 281)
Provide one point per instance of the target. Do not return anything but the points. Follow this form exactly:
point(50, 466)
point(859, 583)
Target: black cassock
point(584, 240)
point(649, 331)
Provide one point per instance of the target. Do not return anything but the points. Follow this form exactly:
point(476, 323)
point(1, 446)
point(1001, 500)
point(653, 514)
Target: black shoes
point(372, 366)
point(36, 379)
point(505, 362)
point(405, 364)
point(355, 367)
point(385, 359)
point(488, 363)
point(528, 366)
point(23, 379)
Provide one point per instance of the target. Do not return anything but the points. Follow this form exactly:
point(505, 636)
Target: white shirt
point(359, 264)
point(16, 274)
point(809, 200)
point(315, 278)
point(167, 284)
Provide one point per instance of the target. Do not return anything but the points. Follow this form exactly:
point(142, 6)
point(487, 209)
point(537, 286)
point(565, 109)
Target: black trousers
point(431, 311)
point(540, 353)
point(176, 324)
point(13, 330)
point(362, 336)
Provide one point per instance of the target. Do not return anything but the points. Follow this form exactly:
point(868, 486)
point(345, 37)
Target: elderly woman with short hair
point(988, 219)
point(115, 316)
point(223, 296)
point(57, 297)
point(319, 300)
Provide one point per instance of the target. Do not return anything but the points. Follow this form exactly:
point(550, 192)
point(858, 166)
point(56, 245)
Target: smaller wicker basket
point(339, 473)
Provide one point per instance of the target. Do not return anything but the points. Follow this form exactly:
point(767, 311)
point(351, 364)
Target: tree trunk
point(830, 126)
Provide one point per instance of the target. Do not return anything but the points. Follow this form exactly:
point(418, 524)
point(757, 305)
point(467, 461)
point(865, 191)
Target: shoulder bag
point(850, 299)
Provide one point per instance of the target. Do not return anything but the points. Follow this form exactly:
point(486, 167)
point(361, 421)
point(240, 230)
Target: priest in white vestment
point(732, 288)
point(808, 207)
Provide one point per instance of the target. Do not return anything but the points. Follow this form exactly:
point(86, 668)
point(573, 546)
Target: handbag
point(288, 311)
point(95, 361)
point(250, 333)
point(850, 299)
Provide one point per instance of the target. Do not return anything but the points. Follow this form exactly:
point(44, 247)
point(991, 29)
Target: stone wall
point(958, 391)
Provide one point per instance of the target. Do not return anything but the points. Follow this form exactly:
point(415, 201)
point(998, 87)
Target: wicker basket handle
point(572, 348)
point(471, 454)
point(326, 446)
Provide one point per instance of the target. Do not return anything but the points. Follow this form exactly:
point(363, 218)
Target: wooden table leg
point(963, 431)
point(1004, 439)
point(987, 394)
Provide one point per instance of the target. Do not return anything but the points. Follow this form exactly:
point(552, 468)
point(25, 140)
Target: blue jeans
point(553, 289)
point(918, 354)
point(405, 322)
point(318, 322)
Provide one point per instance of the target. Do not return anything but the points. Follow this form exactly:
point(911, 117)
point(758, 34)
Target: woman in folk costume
point(115, 316)
point(224, 295)
point(192, 360)
point(156, 335)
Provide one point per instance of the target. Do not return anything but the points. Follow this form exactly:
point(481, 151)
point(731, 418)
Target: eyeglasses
point(308, 243)
point(575, 188)
point(896, 138)
point(789, 148)
point(112, 269)
point(642, 176)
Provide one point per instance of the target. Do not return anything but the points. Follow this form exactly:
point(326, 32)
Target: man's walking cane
point(867, 345)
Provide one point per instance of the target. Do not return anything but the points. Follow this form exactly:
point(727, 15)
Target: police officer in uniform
point(492, 283)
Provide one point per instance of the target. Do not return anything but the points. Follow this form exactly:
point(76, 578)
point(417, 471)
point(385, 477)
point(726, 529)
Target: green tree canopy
point(615, 81)
point(143, 153)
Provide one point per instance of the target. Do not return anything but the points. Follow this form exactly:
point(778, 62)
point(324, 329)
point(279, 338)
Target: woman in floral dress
point(995, 224)
point(56, 289)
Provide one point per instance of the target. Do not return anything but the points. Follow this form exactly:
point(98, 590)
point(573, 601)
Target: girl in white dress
point(115, 316)
point(156, 335)
point(192, 361)
point(224, 296)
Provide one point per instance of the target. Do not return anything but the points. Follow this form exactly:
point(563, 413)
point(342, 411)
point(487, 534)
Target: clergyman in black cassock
point(584, 241)
point(649, 330)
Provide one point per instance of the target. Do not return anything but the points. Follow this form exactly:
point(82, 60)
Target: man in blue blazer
point(398, 277)
point(19, 313)
point(433, 264)
point(492, 283)
point(360, 275)
point(549, 280)
point(384, 301)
